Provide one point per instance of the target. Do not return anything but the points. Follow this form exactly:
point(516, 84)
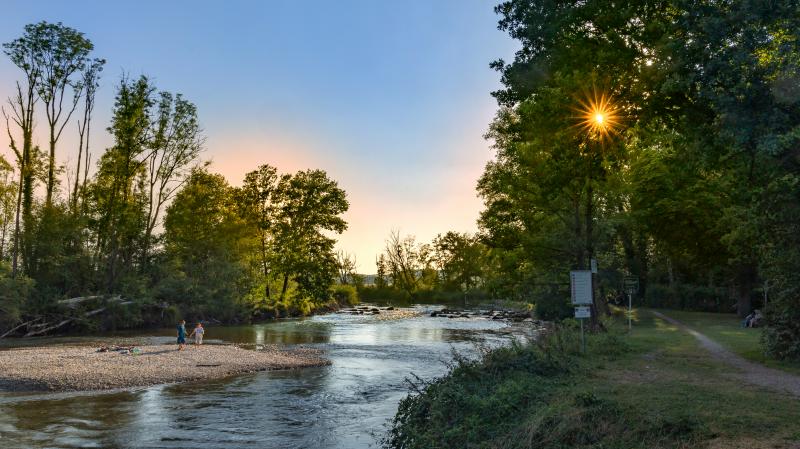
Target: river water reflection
point(346, 405)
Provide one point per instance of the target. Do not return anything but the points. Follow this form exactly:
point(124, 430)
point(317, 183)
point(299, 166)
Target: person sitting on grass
point(757, 318)
point(198, 334)
point(181, 335)
point(747, 320)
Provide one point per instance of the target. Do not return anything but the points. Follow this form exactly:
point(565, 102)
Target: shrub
point(345, 294)
point(781, 336)
point(553, 308)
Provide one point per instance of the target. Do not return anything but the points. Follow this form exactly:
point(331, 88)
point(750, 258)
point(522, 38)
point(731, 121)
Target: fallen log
point(48, 329)
point(21, 325)
point(73, 302)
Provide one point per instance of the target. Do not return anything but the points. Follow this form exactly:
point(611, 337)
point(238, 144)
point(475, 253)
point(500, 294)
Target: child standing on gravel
point(198, 334)
point(181, 335)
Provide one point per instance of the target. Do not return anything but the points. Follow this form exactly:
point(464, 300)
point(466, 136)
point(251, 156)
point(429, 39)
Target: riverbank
point(83, 368)
point(654, 388)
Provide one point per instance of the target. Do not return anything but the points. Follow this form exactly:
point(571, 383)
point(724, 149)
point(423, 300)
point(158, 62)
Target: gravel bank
point(81, 368)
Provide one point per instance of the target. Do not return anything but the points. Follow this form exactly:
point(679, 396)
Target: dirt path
point(750, 372)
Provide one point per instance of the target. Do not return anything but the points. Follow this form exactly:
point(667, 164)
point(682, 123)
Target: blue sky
point(391, 98)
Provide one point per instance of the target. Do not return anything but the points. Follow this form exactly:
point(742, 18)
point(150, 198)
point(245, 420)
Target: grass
point(653, 388)
point(726, 330)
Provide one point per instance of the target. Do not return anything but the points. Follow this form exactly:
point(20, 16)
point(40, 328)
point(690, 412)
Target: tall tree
point(174, 147)
point(23, 53)
point(209, 242)
point(258, 203)
point(91, 76)
point(311, 204)
point(61, 53)
point(119, 192)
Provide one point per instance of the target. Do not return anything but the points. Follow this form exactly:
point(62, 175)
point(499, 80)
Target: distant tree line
point(696, 188)
point(149, 233)
point(451, 268)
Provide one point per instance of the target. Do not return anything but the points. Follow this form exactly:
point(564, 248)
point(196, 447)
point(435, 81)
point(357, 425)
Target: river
point(346, 405)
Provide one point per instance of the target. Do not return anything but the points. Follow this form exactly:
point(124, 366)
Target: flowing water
point(346, 405)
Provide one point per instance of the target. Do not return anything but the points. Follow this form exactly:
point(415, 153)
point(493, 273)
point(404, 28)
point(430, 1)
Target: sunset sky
point(390, 98)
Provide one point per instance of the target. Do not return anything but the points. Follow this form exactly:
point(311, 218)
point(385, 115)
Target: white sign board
point(581, 283)
point(594, 266)
point(583, 312)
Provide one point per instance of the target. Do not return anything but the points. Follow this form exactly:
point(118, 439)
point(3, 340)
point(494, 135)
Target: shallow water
point(345, 405)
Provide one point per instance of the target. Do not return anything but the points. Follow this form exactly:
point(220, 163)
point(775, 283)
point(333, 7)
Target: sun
point(598, 116)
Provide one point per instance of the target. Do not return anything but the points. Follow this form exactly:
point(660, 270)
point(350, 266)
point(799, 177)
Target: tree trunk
point(74, 202)
point(746, 278)
point(285, 286)
point(265, 267)
point(15, 257)
point(51, 168)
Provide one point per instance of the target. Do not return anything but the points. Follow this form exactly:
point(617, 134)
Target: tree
point(175, 145)
point(58, 53)
point(258, 204)
point(405, 262)
point(310, 204)
point(346, 264)
point(91, 75)
point(22, 106)
point(207, 241)
point(459, 260)
point(8, 195)
point(119, 192)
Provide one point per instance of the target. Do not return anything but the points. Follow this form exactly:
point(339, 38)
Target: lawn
point(667, 374)
point(726, 329)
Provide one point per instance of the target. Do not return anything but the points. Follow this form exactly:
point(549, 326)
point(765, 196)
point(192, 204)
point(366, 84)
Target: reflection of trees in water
point(66, 421)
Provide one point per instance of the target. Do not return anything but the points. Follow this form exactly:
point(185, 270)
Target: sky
point(391, 98)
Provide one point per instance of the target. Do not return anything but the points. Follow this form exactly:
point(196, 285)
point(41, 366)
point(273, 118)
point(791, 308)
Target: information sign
point(583, 312)
point(581, 285)
point(631, 284)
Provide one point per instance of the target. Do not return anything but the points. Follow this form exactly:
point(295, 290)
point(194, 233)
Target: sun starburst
point(598, 116)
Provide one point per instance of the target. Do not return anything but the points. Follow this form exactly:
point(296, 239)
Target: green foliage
point(553, 307)
point(782, 335)
point(452, 266)
point(345, 295)
point(13, 293)
point(219, 245)
point(696, 193)
point(629, 391)
point(688, 297)
point(479, 400)
point(207, 241)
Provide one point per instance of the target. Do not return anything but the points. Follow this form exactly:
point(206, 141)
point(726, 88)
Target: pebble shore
point(82, 368)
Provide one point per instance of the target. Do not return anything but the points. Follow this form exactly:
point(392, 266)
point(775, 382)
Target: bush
point(553, 308)
point(478, 401)
point(781, 337)
point(345, 295)
point(533, 396)
point(13, 294)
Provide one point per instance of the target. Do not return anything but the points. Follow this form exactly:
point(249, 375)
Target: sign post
point(631, 285)
point(581, 313)
point(581, 286)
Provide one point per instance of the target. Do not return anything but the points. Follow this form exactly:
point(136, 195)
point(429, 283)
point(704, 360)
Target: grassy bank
point(726, 329)
point(654, 388)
